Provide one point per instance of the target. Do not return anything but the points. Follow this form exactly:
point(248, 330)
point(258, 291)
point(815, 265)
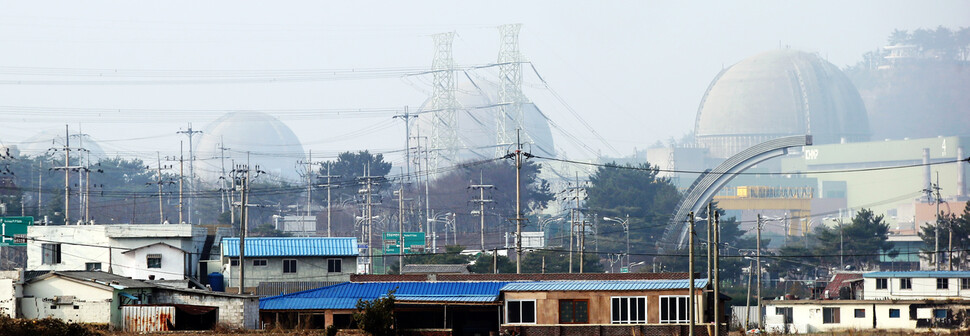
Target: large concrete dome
point(775, 94)
point(266, 141)
point(42, 143)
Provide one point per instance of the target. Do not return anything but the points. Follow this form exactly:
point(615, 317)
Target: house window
point(289, 265)
point(673, 309)
point(859, 313)
point(523, 311)
point(905, 283)
point(942, 283)
point(92, 266)
point(52, 253)
point(627, 310)
point(334, 265)
point(154, 261)
point(830, 315)
point(259, 262)
point(882, 283)
point(965, 283)
point(894, 313)
point(940, 313)
point(786, 312)
point(234, 262)
point(573, 311)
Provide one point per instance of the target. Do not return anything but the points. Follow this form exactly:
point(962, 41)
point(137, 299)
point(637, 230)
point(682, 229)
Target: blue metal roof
point(918, 274)
point(620, 285)
point(291, 246)
point(345, 295)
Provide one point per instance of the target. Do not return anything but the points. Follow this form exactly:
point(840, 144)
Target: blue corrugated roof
point(291, 246)
point(620, 285)
point(918, 274)
point(345, 295)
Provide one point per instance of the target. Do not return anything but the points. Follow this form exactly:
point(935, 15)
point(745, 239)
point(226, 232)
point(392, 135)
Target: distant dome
point(478, 123)
point(42, 142)
point(270, 144)
point(779, 93)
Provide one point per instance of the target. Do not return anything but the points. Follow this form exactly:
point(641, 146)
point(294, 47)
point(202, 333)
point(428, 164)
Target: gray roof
point(435, 268)
point(102, 278)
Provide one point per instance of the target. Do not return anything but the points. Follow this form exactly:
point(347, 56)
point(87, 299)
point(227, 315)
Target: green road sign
point(414, 242)
point(14, 230)
point(624, 270)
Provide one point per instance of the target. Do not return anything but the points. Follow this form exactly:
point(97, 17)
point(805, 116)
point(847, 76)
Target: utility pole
point(936, 230)
point(181, 181)
point(242, 176)
point(190, 132)
point(710, 221)
point(368, 181)
point(224, 178)
point(692, 301)
point(717, 274)
point(481, 186)
point(67, 172)
point(758, 261)
point(160, 182)
point(329, 186)
point(407, 140)
point(518, 205)
point(575, 218)
point(400, 223)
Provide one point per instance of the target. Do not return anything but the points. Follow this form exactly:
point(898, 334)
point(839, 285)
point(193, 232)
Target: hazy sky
point(635, 70)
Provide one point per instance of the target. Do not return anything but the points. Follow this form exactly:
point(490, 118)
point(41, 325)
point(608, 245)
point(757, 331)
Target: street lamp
point(626, 228)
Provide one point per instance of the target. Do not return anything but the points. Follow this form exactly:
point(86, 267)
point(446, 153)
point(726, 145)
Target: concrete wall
point(307, 269)
point(92, 304)
point(547, 303)
point(808, 318)
point(234, 311)
point(923, 288)
point(134, 264)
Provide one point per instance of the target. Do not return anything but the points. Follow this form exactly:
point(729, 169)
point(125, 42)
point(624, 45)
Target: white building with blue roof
point(276, 260)
point(916, 285)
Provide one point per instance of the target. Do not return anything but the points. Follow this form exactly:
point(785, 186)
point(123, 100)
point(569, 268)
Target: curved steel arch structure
point(706, 185)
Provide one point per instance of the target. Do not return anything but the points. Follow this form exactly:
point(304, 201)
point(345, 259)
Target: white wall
point(75, 253)
point(93, 304)
point(134, 264)
point(808, 318)
point(923, 288)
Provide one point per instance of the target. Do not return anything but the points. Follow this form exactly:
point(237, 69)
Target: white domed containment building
point(779, 93)
point(262, 139)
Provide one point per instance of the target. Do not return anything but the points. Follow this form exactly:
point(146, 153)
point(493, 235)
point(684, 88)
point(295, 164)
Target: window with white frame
point(942, 283)
point(259, 262)
point(520, 311)
point(905, 283)
point(882, 283)
point(674, 309)
point(628, 309)
point(965, 283)
point(51, 254)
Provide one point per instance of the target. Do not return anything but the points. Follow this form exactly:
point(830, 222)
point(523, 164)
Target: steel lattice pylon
point(444, 130)
point(510, 116)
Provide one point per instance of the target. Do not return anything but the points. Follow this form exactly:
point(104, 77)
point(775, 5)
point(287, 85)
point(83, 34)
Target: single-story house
point(100, 297)
point(288, 259)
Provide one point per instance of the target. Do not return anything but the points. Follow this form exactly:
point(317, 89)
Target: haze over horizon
point(634, 71)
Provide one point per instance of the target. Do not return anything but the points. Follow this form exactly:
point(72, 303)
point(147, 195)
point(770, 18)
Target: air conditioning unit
point(64, 300)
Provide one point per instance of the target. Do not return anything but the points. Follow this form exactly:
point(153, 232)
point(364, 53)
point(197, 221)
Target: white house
point(917, 285)
point(891, 301)
point(100, 297)
point(126, 249)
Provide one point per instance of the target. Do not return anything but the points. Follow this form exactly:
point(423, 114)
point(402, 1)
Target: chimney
point(961, 185)
point(927, 178)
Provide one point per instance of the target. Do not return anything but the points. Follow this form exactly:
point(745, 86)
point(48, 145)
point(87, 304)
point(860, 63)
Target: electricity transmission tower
point(510, 116)
point(444, 107)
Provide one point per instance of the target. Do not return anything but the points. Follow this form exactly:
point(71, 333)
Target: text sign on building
point(14, 230)
point(414, 242)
